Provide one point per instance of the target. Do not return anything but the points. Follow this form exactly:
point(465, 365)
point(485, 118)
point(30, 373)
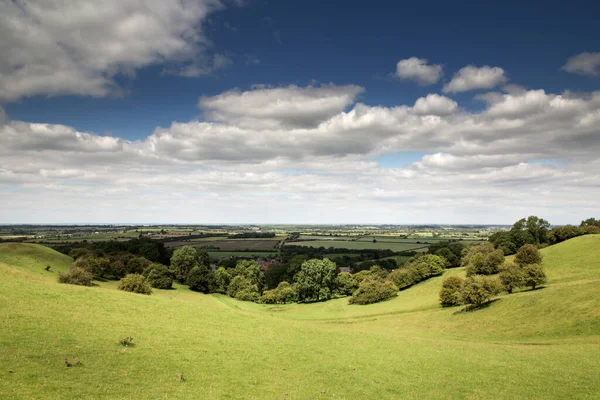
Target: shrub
point(347, 284)
point(478, 290)
point(450, 293)
point(221, 280)
point(527, 255)
point(76, 276)
point(286, 293)
point(373, 291)
point(135, 283)
point(511, 276)
point(242, 288)
point(136, 265)
point(183, 261)
point(127, 341)
point(199, 279)
point(402, 278)
point(269, 297)
point(247, 295)
point(533, 275)
point(159, 276)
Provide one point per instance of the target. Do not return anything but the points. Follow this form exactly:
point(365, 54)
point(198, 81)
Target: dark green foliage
point(79, 252)
point(276, 274)
point(478, 290)
point(403, 277)
point(203, 258)
point(386, 263)
point(373, 291)
point(136, 265)
point(284, 293)
point(534, 275)
point(76, 276)
point(347, 284)
point(450, 293)
point(127, 341)
point(221, 280)
point(483, 259)
point(184, 259)
point(159, 276)
point(316, 280)
point(528, 254)
point(251, 271)
point(451, 251)
point(135, 283)
point(590, 222)
point(199, 279)
point(562, 233)
point(417, 270)
point(511, 276)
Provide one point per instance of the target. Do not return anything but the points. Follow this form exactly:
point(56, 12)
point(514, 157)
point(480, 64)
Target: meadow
point(532, 344)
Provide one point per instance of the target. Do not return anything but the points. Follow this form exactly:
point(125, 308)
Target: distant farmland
point(229, 245)
point(396, 245)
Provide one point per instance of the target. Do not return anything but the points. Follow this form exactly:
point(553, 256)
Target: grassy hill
point(533, 344)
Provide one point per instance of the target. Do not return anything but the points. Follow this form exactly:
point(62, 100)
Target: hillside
point(533, 344)
point(33, 259)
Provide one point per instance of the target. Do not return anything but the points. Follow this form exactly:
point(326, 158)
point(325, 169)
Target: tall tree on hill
point(184, 259)
point(316, 280)
point(537, 227)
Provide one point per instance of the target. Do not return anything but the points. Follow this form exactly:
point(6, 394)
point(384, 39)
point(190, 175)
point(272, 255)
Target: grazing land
point(363, 245)
point(532, 344)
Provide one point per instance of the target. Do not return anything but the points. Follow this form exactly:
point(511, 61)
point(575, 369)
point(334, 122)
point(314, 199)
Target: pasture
point(362, 245)
point(533, 344)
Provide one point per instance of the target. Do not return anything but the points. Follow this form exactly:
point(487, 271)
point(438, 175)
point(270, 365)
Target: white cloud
point(418, 69)
point(480, 167)
point(434, 104)
point(53, 47)
point(584, 64)
point(471, 77)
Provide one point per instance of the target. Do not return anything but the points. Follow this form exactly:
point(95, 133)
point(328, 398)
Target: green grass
point(532, 344)
point(222, 254)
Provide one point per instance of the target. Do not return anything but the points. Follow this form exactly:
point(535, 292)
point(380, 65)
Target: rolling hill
point(532, 344)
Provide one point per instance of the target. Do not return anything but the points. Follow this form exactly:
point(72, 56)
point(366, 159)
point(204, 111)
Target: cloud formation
point(281, 148)
point(471, 78)
point(419, 70)
point(54, 47)
point(584, 64)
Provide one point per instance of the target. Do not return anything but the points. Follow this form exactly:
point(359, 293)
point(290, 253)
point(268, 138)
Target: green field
point(533, 344)
point(361, 245)
point(222, 254)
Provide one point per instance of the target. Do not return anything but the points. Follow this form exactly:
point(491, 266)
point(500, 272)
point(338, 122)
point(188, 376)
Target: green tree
point(373, 291)
point(159, 276)
point(537, 227)
point(483, 259)
point(135, 283)
point(243, 289)
point(346, 284)
point(528, 254)
point(184, 259)
point(250, 270)
point(199, 279)
point(316, 280)
point(450, 293)
point(221, 280)
point(534, 275)
point(590, 222)
point(511, 276)
point(203, 258)
point(403, 277)
point(478, 290)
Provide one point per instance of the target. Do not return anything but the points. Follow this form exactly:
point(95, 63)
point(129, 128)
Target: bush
point(199, 279)
point(247, 295)
point(402, 278)
point(269, 297)
point(450, 293)
point(478, 290)
point(135, 283)
point(511, 276)
point(221, 280)
point(483, 259)
point(286, 293)
point(533, 275)
point(76, 276)
point(347, 284)
point(373, 291)
point(527, 255)
point(159, 276)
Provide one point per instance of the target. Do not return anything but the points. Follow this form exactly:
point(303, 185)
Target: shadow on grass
point(471, 308)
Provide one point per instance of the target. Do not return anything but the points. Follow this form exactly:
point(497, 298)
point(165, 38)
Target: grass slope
point(33, 258)
point(533, 344)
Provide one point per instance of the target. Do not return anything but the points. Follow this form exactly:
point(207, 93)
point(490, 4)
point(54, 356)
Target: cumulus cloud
point(290, 106)
point(419, 70)
point(434, 104)
point(477, 165)
point(584, 64)
point(471, 77)
point(64, 47)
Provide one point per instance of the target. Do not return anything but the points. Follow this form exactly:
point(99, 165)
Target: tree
point(511, 276)
point(450, 293)
point(528, 254)
point(590, 222)
point(478, 290)
point(402, 277)
point(221, 280)
point(159, 276)
point(316, 280)
point(243, 289)
point(373, 291)
point(483, 259)
point(76, 276)
point(346, 284)
point(135, 283)
point(184, 259)
point(537, 228)
point(203, 258)
point(250, 270)
point(562, 233)
point(199, 279)
point(534, 275)
point(451, 251)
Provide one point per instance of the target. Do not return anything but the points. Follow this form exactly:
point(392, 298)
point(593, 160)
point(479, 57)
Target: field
point(362, 245)
point(229, 245)
point(533, 344)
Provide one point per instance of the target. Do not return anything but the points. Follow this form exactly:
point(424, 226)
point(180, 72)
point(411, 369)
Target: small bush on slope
point(450, 293)
point(160, 277)
point(76, 276)
point(478, 290)
point(373, 291)
point(135, 283)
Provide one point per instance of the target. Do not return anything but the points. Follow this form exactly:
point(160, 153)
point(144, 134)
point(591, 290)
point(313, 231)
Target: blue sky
point(310, 111)
point(297, 42)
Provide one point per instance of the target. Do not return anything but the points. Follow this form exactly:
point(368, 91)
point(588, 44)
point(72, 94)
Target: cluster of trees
point(452, 252)
point(488, 274)
point(418, 270)
point(536, 231)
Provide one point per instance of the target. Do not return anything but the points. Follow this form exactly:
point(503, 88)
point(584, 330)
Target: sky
point(331, 112)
